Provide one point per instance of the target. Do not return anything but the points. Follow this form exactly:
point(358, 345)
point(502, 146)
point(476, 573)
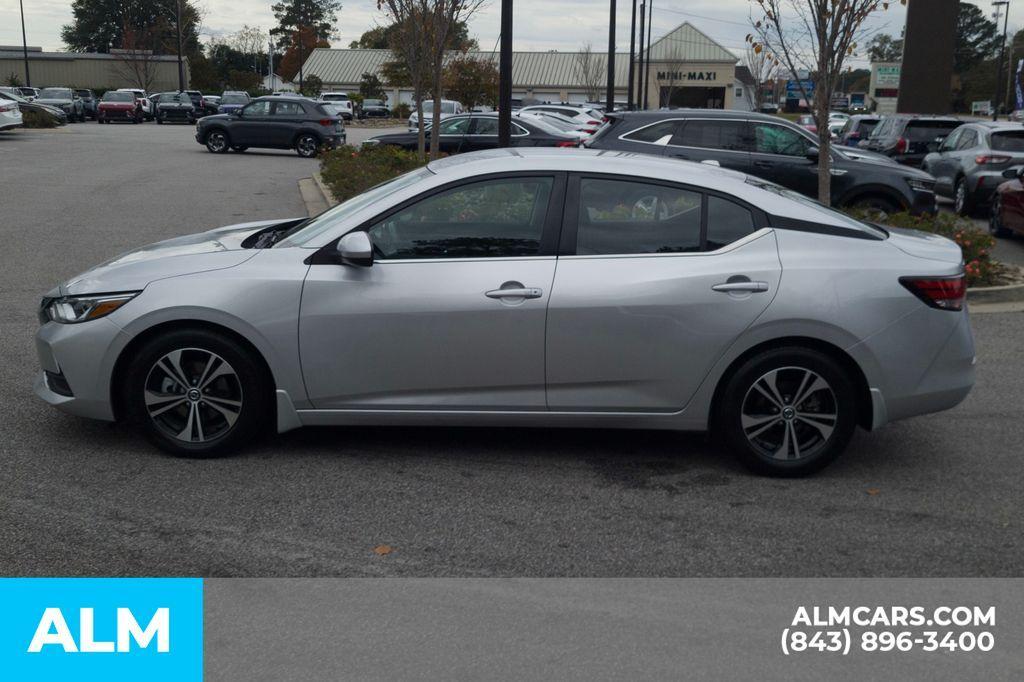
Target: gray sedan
point(526, 287)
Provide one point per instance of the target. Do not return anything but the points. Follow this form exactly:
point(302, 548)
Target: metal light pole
point(181, 66)
point(998, 4)
point(632, 61)
point(610, 94)
point(641, 100)
point(505, 77)
point(647, 65)
point(24, 44)
point(270, 59)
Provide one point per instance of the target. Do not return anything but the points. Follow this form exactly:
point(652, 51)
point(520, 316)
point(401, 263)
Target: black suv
point(968, 166)
point(89, 101)
point(906, 137)
point(771, 148)
point(173, 106)
point(275, 122)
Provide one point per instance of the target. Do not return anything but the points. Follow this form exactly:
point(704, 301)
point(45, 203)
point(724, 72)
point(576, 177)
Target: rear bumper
point(982, 186)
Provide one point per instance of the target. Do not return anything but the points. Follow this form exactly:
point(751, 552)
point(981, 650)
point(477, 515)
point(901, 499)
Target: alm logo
point(53, 630)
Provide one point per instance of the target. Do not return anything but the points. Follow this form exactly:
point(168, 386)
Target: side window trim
point(571, 203)
point(549, 236)
point(660, 142)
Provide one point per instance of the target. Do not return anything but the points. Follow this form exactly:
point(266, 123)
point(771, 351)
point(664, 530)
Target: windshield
point(557, 122)
point(372, 102)
point(334, 97)
point(1008, 142)
point(84, 93)
point(306, 232)
point(234, 99)
point(118, 97)
point(168, 97)
point(831, 216)
point(54, 93)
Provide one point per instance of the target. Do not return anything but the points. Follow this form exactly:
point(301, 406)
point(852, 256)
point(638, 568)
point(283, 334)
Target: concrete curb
point(1010, 293)
point(324, 189)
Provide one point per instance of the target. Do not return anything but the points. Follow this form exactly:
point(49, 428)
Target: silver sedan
point(543, 288)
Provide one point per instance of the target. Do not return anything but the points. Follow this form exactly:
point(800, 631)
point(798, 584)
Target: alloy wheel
point(217, 141)
point(307, 146)
point(960, 198)
point(789, 413)
point(193, 395)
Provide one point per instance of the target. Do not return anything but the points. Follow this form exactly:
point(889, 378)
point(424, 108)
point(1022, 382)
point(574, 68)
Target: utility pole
point(505, 77)
point(24, 44)
point(1000, 4)
point(647, 65)
point(181, 66)
point(632, 61)
point(641, 100)
point(610, 94)
point(270, 59)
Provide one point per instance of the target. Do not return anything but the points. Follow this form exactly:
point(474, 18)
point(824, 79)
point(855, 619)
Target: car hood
point(212, 250)
point(52, 102)
point(174, 105)
point(924, 245)
point(206, 120)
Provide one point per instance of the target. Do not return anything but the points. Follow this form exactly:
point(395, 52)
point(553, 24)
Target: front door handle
point(742, 287)
point(764, 164)
point(521, 292)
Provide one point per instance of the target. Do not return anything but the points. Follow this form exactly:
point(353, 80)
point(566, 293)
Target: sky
point(539, 24)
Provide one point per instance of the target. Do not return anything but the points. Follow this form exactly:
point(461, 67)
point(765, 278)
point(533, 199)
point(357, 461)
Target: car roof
point(993, 126)
point(630, 164)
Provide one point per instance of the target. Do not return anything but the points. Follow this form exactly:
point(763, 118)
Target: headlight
point(371, 143)
point(919, 185)
point(74, 309)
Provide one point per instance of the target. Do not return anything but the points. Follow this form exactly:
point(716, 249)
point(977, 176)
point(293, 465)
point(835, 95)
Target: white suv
point(341, 101)
point(448, 108)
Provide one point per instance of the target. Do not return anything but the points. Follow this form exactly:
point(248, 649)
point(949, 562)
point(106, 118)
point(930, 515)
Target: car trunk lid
point(925, 245)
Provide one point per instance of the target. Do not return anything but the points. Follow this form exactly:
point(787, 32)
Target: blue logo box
point(101, 629)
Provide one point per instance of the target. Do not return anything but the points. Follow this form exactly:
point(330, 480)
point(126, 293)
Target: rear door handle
point(524, 292)
point(764, 164)
point(748, 287)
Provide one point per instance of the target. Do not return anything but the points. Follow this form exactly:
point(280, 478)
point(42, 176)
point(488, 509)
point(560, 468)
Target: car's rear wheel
point(197, 393)
point(787, 411)
point(307, 145)
point(995, 218)
point(962, 203)
point(217, 141)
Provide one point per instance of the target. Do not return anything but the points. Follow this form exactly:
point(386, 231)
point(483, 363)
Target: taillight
point(567, 143)
point(594, 123)
point(902, 145)
point(983, 159)
point(326, 122)
point(9, 107)
point(944, 293)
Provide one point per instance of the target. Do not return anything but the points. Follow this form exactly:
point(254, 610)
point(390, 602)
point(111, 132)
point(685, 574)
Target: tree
point(135, 61)
point(472, 81)
point(815, 36)
point(977, 38)
point(251, 42)
point(764, 71)
point(884, 48)
point(370, 87)
point(379, 38)
point(101, 25)
point(589, 70)
point(298, 20)
point(410, 46)
point(297, 52)
point(312, 87)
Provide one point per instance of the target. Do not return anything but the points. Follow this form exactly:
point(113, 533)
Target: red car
point(119, 106)
point(807, 121)
point(1008, 205)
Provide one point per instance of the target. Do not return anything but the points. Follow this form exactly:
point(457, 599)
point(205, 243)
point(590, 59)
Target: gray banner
point(591, 629)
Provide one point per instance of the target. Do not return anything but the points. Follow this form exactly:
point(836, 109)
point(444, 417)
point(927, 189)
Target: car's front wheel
point(217, 141)
point(995, 219)
point(787, 411)
point(197, 393)
point(307, 145)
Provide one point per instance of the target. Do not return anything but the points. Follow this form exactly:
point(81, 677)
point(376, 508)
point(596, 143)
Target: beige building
point(687, 68)
point(91, 70)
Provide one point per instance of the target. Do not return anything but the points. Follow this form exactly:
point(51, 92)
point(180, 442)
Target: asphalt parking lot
point(934, 496)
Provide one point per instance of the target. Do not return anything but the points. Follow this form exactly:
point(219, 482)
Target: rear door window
point(926, 131)
point(774, 139)
point(713, 134)
point(1008, 142)
point(652, 133)
point(727, 222)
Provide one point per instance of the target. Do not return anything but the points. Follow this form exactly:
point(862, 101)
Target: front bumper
point(922, 203)
point(83, 355)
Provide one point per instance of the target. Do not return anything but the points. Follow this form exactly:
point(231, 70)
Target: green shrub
point(349, 171)
point(37, 119)
point(975, 244)
point(402, 110)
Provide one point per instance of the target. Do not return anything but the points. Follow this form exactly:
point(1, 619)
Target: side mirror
point(1013, 173)
point(355, 248)
point(237, 113)
point(812, 154)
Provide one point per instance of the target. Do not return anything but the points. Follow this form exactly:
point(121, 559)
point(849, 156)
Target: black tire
point(962, 202)
point(217, 141)
point(995, 218)
point(745, 401)
point(237, 377)
point(877, 206)
point(159, 121)
point(239, 148)
point(307, 145)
